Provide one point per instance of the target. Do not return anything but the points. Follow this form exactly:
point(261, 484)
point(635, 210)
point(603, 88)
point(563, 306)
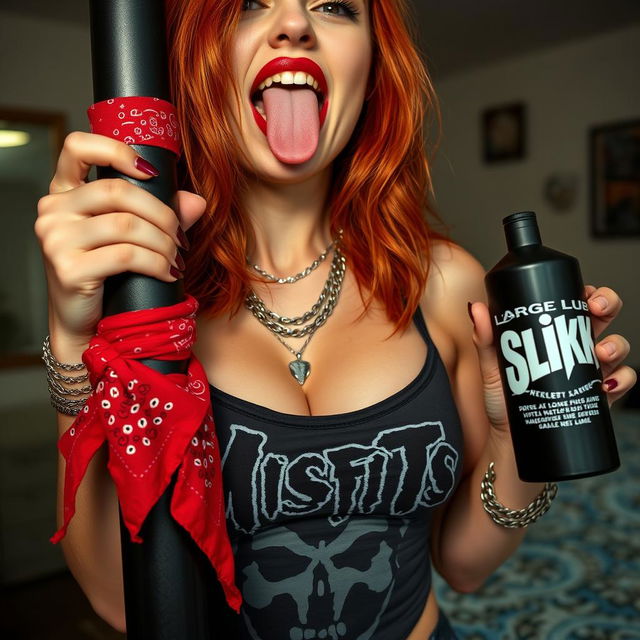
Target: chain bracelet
point(46, 351)
point(70, 407)
point(513, 518)
point(57, 392)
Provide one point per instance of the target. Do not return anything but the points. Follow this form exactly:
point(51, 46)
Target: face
point(329, 34)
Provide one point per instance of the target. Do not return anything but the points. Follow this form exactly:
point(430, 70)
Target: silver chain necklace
point(300, 369)
point(298, 276)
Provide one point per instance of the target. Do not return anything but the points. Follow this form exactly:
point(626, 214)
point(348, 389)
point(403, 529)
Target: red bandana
point(153, 423)
point(137, 120)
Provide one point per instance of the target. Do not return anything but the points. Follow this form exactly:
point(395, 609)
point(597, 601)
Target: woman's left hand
point(604, 306)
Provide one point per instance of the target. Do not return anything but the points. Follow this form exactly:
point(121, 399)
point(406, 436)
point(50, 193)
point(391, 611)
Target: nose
point(292, 26)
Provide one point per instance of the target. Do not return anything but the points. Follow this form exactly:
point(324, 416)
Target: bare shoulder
point(455, 278)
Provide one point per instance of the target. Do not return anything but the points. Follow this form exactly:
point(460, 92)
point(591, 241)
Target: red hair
point(381, 186)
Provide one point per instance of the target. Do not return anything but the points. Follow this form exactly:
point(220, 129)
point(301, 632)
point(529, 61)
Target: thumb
point(190, 208)
point(483, 339)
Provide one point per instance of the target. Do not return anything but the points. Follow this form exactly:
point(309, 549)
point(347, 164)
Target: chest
point(354, 362)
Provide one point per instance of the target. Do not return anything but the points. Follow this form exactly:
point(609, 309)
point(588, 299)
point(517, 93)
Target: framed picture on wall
point(504, 132)
point(615, 179)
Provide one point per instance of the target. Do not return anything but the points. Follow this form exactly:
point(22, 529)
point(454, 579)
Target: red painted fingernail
point(183, 239)
point(470, 314)
point(175, 273)
point(610, 384)
point(146, 167)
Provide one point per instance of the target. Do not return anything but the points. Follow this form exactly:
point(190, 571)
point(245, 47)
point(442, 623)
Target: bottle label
point(548, 354)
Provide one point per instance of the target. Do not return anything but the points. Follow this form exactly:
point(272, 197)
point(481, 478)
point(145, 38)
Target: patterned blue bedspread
point(576, 576)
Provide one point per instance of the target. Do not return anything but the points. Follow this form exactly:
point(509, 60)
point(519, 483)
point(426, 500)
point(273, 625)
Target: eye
point(246, 3)
point(288, 564)
point(346, 6)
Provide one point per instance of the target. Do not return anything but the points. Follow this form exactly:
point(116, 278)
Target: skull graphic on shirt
point(317, 590)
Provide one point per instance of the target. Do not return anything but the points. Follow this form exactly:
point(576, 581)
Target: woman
point(347, 447)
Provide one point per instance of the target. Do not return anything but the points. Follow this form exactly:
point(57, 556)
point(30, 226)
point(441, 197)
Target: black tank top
point(329, 516)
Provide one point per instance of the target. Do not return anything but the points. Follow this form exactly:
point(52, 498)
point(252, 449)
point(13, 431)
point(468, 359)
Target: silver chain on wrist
point(56, 390)
point(512, 518)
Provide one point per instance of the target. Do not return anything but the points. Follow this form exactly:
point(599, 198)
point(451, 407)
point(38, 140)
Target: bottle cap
point(521, 229)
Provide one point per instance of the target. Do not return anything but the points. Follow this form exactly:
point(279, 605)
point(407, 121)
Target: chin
point(266, 167)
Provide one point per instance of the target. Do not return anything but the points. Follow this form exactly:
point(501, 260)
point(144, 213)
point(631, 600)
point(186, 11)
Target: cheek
point(353, 86)
point(355, 60)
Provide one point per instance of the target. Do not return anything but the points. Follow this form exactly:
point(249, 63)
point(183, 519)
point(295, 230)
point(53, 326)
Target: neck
point(290, 222)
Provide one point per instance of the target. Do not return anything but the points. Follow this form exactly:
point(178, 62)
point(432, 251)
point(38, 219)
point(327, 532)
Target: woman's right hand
point(91, 230)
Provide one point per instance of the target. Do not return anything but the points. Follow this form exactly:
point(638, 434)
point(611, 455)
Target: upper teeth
point(289, 77)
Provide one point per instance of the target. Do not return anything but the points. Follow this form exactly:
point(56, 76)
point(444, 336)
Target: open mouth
point(291, 81)
point(287, 80)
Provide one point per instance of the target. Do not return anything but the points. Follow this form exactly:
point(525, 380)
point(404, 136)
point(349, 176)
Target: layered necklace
point(315, 317)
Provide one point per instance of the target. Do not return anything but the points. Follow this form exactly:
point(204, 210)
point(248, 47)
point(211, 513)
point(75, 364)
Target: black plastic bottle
point(558, 413)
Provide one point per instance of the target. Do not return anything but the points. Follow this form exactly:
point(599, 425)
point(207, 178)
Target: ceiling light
point(12, 138)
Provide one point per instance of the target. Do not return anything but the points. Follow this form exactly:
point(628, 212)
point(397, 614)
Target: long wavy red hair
point(381, 189)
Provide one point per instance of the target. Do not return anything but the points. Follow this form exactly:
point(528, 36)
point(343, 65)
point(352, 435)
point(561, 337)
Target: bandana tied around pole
point(137, 120)
point(154, 424)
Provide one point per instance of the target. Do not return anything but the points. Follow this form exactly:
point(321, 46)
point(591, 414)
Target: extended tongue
point(293, 123)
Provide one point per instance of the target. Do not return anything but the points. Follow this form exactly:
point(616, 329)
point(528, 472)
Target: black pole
point(169, 584)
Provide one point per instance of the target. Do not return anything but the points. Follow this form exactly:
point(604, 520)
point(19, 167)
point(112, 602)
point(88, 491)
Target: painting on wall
point(615, 179)
point(504, 132)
